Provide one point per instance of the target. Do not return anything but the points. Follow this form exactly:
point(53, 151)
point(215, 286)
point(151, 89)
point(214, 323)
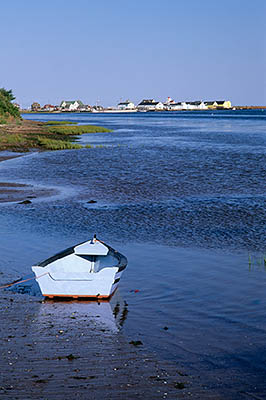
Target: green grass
point(257, 261)
point(53, 144)
point(60, 123)
point(53, 135)
point(12, 140)
point(77, 130)
point(3, 121)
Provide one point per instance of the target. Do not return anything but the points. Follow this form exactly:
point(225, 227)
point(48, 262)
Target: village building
point(84, 108)
point(49, 108)
point(177, 106)
point(150, 105)
point(196, 105)
point(224, 104)
point(169, 101)
point(218, 104)
point(70, 105)
point(126, 105)
point(35, 106)
point(97, 108)
point(211, 105)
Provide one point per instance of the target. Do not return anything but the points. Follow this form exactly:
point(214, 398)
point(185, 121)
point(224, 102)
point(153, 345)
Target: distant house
point(150, 105)
point(177, 106)
point(223, 104)
point(48, 108)
point(126, 105)
point(84, 108)
point(211, 105)
point(196, 105)
point(97, 108)
point(72, 105)
point(35, 106)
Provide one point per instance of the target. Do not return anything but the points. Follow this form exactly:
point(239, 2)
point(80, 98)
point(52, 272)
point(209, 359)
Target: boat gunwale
point(121, 265)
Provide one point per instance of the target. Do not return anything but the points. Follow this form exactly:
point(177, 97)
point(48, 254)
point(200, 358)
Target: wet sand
point(47, 354)
point(16, 192)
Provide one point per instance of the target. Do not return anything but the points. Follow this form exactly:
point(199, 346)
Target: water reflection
point(106, 315)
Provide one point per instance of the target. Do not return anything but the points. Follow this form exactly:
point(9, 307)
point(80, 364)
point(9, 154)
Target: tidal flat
point(23, 135)
point(182, 195)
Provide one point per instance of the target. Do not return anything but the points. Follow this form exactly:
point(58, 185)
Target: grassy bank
point(52, 135)
point(48, 123)
point(55, 144)
point(76, 129)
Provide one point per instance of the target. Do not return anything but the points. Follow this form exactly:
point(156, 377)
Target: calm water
point(183, 196)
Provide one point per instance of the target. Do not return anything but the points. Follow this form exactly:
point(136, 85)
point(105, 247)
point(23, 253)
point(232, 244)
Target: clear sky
point(110, 50)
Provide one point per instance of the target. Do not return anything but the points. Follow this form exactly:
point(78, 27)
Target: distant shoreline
point(110, 110)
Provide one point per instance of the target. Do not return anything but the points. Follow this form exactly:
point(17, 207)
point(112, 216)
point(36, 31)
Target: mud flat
point(49, 351)
point(17, 192)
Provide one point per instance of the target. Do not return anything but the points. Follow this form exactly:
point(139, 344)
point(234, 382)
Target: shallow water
point(182, 195)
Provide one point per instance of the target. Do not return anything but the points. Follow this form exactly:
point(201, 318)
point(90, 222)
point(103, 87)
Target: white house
point(84, 108)
point(126, 105)
point(70, 105)
point(150, 105)
point(177, 106)
point(196, 105)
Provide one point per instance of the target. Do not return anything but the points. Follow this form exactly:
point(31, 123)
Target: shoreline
point(20, 193)
point(114, 110)
point(26, 135)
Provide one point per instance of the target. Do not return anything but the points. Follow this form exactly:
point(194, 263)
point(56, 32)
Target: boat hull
point(71, 274)
point(101, 285)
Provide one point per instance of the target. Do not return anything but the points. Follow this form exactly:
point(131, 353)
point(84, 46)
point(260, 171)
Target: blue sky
point(112, 50)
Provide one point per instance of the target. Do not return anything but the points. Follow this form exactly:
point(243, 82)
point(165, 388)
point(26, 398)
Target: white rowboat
point(90, 269)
